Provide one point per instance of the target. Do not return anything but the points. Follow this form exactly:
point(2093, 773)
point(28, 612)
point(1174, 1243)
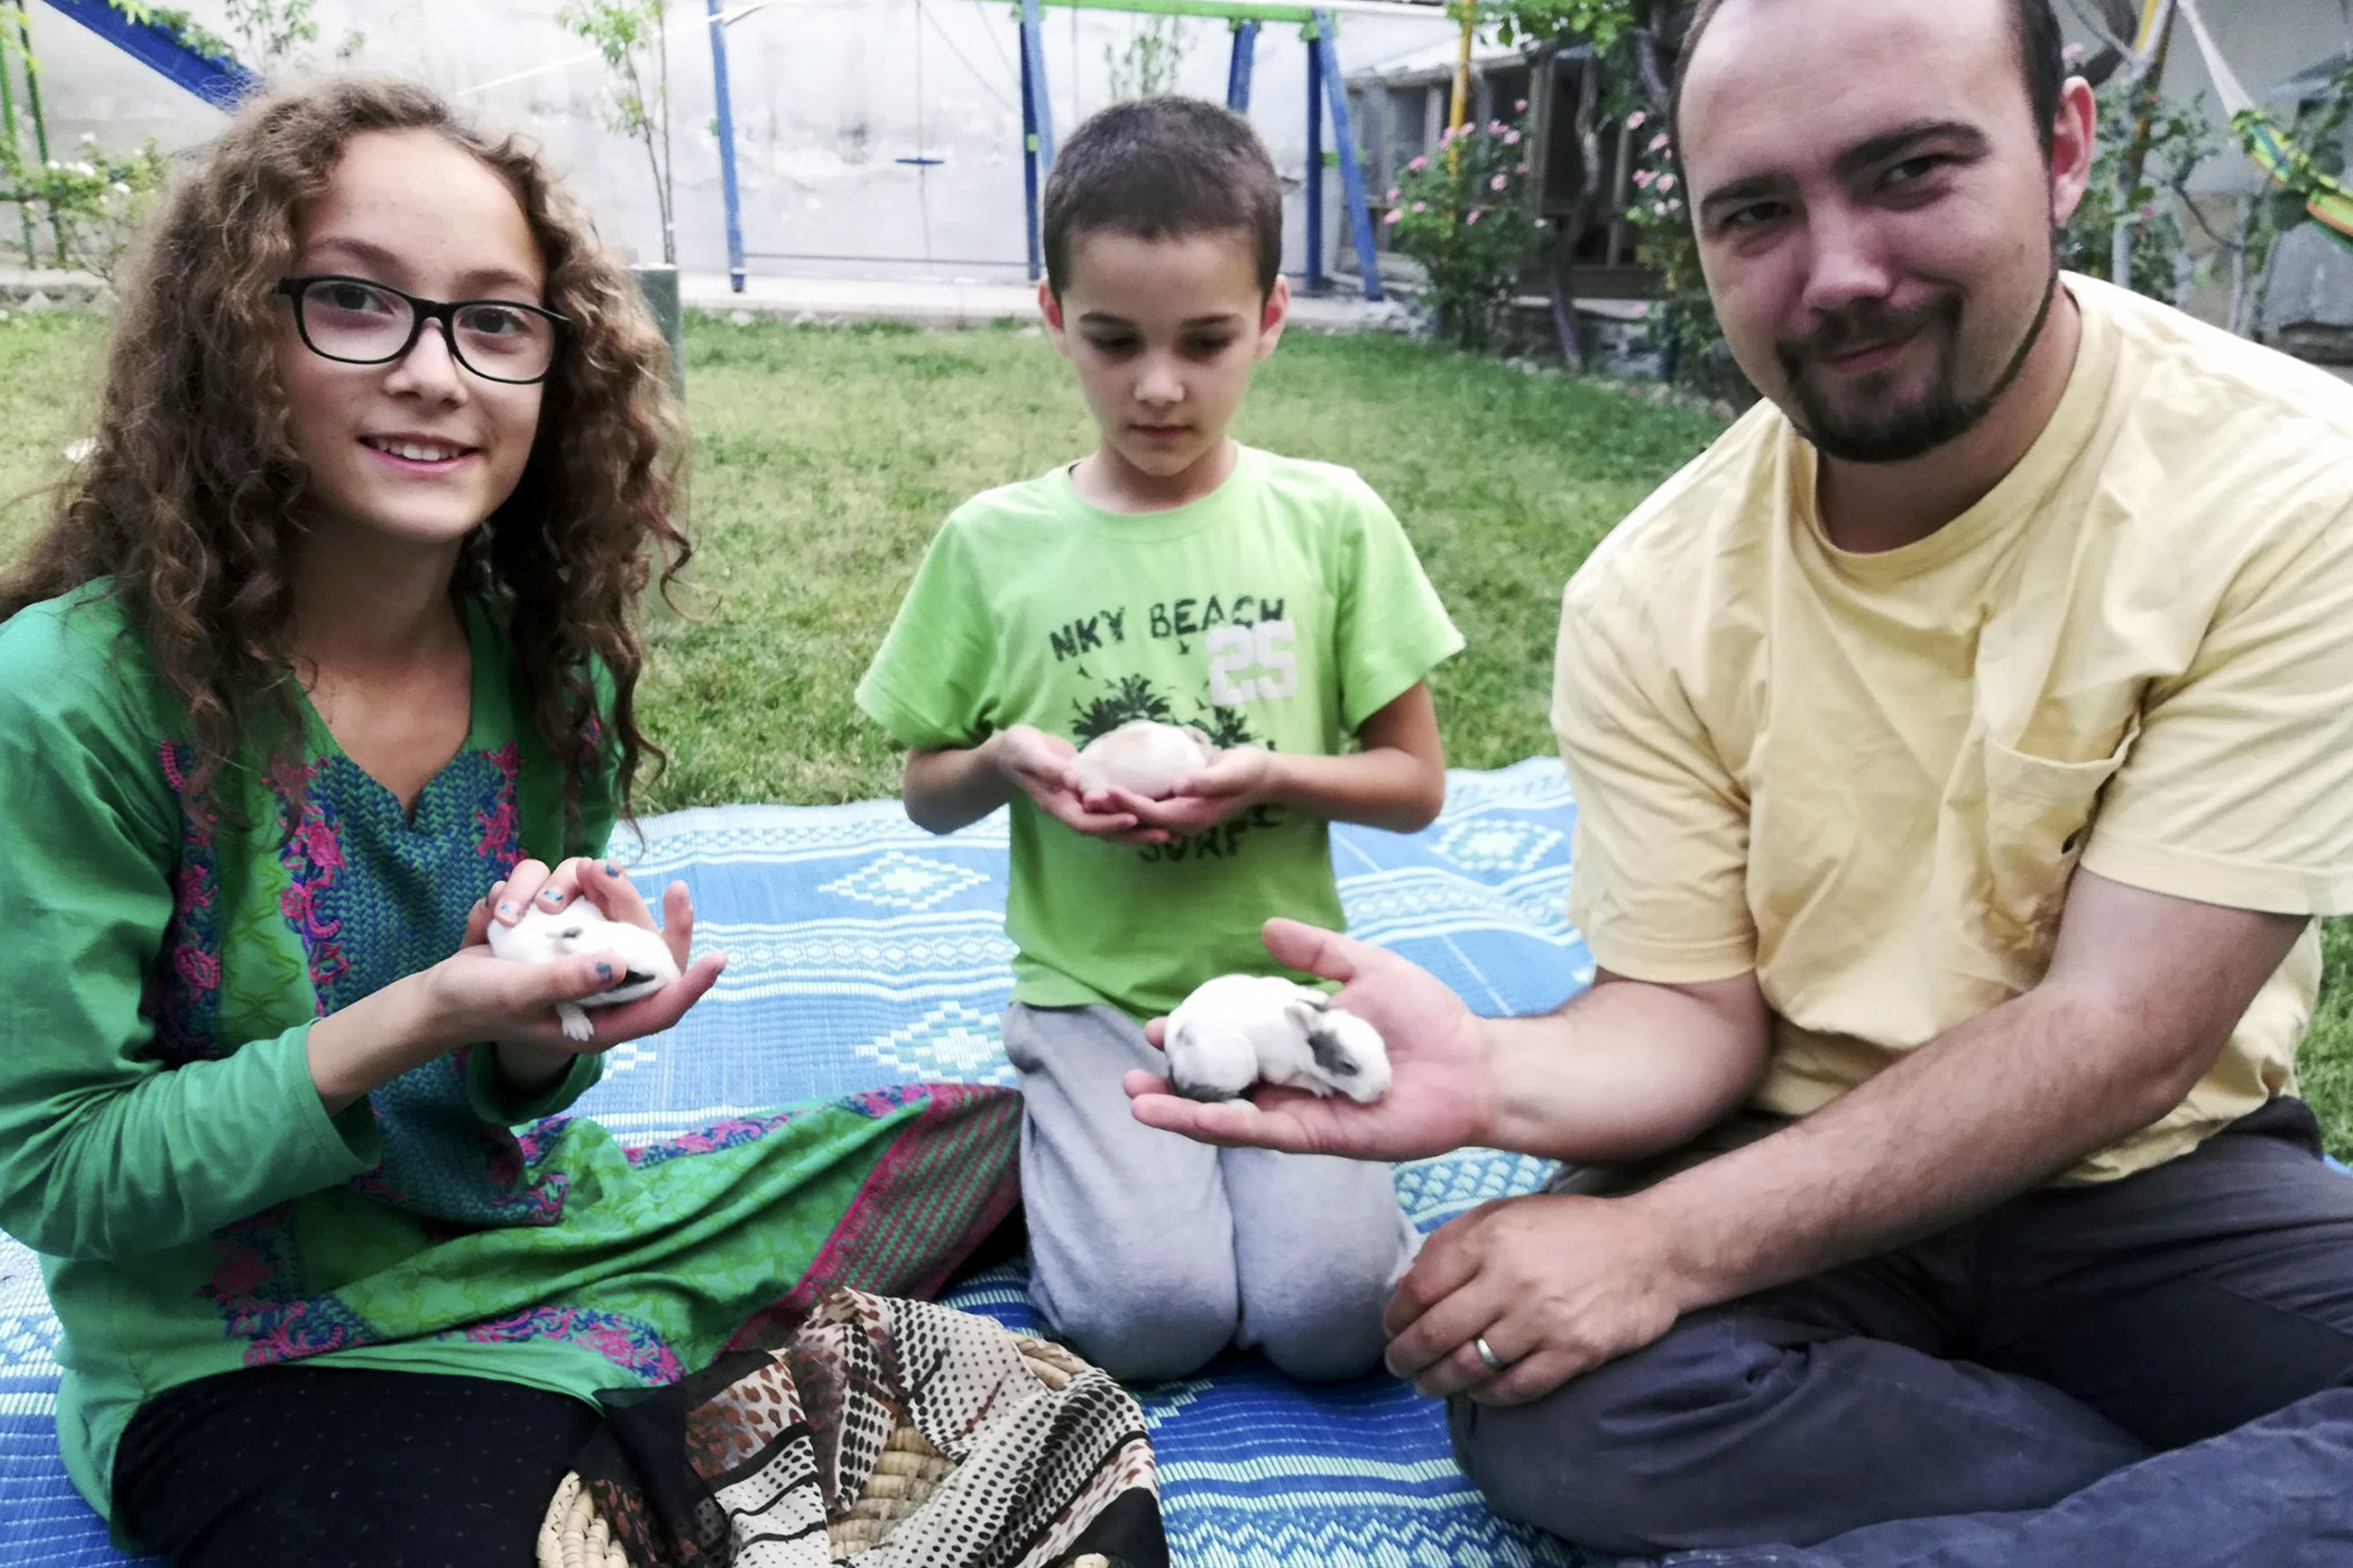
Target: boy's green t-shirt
point(1283, 610)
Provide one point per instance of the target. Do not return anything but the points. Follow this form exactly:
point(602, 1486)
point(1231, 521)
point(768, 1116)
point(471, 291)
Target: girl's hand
point(512, 1003)
point(532, 885)
point(474, 995)
point(1045, 768)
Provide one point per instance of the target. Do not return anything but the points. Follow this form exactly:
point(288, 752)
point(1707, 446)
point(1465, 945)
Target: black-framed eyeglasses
point(356, 320)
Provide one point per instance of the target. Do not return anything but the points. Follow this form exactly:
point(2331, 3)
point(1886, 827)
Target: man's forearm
point(1626, 1069)
point(2001, 1104)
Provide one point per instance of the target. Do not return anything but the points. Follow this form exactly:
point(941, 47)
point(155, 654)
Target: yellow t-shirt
point(1869, 777)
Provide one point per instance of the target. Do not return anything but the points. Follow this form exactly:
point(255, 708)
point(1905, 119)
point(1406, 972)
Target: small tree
point(279, 32)
point(2130, 225)
point(1466, 213)
point(92, 204)
point(629, 35)
point(2314, 167)
point(1148, 66)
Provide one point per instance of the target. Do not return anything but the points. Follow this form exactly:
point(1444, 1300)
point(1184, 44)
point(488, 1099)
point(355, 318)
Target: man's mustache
point(1866, 325)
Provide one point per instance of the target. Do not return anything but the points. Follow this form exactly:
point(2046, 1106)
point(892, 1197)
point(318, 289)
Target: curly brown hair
point(193, 498)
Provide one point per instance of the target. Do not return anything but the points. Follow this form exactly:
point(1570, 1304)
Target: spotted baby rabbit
point(1240, 1030)
point(542, 936)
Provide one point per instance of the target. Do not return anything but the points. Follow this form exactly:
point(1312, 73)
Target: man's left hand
point(1556, 1285)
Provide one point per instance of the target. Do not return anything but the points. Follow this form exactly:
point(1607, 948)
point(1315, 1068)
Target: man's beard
point(1900, 434)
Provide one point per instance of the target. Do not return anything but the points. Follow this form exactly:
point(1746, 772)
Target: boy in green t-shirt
point(1174, 575)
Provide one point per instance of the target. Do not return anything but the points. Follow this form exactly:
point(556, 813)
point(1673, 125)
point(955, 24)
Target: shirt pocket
point(2037, 817)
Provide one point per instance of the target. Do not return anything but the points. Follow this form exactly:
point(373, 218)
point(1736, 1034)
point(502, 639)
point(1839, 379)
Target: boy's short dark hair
point(1164, 168)
point(2033, 24)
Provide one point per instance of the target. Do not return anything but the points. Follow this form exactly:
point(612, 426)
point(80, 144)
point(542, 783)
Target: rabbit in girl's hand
point(542, 936)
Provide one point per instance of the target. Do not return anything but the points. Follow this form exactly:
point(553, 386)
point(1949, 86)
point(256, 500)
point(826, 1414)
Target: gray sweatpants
point(1149, 1253)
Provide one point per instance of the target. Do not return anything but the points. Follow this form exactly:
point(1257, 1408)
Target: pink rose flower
point(1498, 182)
point(1634, 121)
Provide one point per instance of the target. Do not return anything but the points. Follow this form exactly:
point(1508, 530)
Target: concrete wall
point(826, 100)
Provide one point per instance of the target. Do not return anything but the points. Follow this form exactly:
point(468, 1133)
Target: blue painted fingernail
point(611, 870)
point(604, 972)
point(506, 908)
point(553, 895)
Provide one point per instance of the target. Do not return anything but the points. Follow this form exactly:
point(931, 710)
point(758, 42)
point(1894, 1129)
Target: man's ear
point(1050, 308)
point(2074, 144)
point(1272, 315)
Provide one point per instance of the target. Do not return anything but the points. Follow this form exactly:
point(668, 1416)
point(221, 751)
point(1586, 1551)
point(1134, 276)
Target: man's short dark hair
point(1164, 168)
point(2032, 23)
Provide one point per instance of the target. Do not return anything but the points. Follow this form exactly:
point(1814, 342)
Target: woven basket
point(575, 1535)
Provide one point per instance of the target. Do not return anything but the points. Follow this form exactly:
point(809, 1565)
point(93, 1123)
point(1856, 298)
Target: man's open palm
point(1441, 1095)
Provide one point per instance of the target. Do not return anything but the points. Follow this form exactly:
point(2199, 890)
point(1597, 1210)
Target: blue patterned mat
point(862, 950)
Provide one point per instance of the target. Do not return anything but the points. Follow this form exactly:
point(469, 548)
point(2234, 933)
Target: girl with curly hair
point(326, 662)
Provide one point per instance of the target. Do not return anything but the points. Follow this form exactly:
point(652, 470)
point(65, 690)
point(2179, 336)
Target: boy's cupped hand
point(1442, 1094)
point(1045, 768)
point(1233, 781)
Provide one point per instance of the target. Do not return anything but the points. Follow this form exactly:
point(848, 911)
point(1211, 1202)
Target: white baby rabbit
point(1240, 1030)
point(543, 935)
point(1143, 757)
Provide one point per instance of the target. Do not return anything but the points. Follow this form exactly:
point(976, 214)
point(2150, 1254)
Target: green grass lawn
point(824, 460)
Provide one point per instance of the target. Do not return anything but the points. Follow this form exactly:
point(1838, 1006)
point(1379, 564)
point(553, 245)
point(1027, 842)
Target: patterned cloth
point(863, 951)
point(883, 1430)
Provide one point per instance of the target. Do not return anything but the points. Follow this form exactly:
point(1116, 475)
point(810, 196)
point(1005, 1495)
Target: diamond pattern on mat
point(1484, 844)
point(950, 1041)
point(1452, 1182)
point(28, 1345)
point(899, 880)
point(1163, 1400)
point(627, 1055)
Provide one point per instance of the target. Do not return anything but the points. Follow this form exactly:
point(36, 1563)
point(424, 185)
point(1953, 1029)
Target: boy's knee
point(1151, 1338)
point(1140, 1314)
point(1325, 1336)
point(1328, 1356)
